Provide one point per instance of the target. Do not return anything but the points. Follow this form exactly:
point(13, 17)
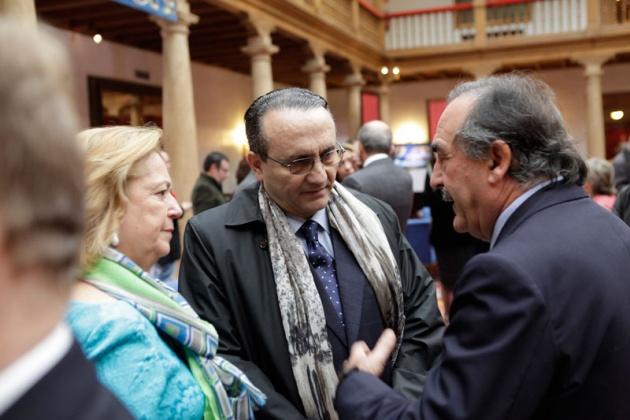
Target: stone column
point(593, 12)
point(180, 127)
point(480, 19)
point(260, 48)
point(19, 9)
point(135, 111)
point(383, 101)
point(316, 68)
point(354, 81)
point(596, 141)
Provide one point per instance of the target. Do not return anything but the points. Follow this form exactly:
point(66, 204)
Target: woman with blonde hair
point(149, 347)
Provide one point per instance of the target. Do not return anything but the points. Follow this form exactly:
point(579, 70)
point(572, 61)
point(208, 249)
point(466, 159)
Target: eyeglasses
point(305, 165)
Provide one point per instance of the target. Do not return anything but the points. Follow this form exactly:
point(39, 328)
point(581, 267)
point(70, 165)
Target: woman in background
point(150, 349)
point(347, 166)
point(600, 182)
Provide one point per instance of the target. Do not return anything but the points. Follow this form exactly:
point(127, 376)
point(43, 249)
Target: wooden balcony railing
point(361, 18)
point(461, 23)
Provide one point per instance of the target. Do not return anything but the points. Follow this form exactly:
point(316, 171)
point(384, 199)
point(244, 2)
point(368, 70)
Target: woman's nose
point(174, 211)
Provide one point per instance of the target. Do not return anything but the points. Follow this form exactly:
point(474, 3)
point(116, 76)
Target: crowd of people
point(300, 296)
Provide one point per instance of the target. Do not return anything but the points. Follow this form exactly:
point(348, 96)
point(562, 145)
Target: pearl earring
point(115, 240)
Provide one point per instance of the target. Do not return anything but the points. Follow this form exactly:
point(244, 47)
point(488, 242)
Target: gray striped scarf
point(302, 312)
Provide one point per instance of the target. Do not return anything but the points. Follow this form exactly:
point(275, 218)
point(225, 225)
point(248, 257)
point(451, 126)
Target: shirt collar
point(23, 373)
point(509, 211)
point(320, 217)
point(374, 158)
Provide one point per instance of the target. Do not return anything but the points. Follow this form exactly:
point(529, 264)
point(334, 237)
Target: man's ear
point(255, 162)
point(500, 160)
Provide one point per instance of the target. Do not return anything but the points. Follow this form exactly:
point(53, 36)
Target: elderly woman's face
point(147, 227)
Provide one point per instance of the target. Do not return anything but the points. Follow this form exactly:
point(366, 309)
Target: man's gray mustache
point(445, 194)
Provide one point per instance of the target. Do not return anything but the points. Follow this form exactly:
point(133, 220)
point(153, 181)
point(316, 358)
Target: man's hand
point(371, 361)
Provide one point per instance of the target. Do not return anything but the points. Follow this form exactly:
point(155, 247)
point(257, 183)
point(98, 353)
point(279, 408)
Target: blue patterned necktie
point(322, 263)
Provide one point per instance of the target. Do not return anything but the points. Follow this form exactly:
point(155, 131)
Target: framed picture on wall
point(116, 102)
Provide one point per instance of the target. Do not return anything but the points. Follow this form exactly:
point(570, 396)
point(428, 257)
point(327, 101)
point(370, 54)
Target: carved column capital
point(184, 20)
point(593, 63)
point(259, 45)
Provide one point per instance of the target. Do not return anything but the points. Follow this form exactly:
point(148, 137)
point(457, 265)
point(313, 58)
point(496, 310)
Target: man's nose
point(318, 170)
point(436, 177)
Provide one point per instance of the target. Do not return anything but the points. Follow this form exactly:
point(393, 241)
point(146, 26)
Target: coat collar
point(545, 198)
point(244, 207)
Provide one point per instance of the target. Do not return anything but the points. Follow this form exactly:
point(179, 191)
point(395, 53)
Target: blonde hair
point(41, 172)
point(112, 156)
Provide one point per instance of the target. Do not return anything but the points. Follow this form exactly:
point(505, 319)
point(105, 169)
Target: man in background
point(43, 373)
point(208, 191)
point(539, 323)
point(380, 177)
point(621, 165)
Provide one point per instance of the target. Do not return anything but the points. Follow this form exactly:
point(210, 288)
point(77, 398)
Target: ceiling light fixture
point(616, 115)
point(97, 38)
point(390, 74)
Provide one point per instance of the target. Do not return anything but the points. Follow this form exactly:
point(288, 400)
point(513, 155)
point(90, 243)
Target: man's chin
point(459, 227)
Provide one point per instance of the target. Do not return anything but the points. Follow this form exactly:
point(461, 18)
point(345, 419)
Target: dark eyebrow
point(435, 148)
point(327, 150)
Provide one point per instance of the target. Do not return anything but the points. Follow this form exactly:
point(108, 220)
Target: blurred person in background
point(452, 249)
point(347, 166)
point(43, 372)
point(207, 192)
point(380, 177)
point(244, 176)
point(149, 347)
point(600, 182)
point(622, 205)
point(621, 164)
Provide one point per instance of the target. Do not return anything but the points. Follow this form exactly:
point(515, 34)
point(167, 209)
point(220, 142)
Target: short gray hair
point(376, 137)
point(521, 111)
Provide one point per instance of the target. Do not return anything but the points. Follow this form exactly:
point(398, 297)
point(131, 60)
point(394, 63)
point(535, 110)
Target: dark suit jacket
point(386, 181)
point(540, 325)
point(227, 276)
point(206, 194)
point(69, 391)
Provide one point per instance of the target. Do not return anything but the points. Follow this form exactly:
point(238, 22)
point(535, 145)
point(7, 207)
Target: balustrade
point(504, 19)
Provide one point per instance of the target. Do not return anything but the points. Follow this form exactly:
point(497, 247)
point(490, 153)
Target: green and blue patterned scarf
point(229, 393)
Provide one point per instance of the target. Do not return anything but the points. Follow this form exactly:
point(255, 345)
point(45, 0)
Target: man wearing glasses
point(296, 268)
